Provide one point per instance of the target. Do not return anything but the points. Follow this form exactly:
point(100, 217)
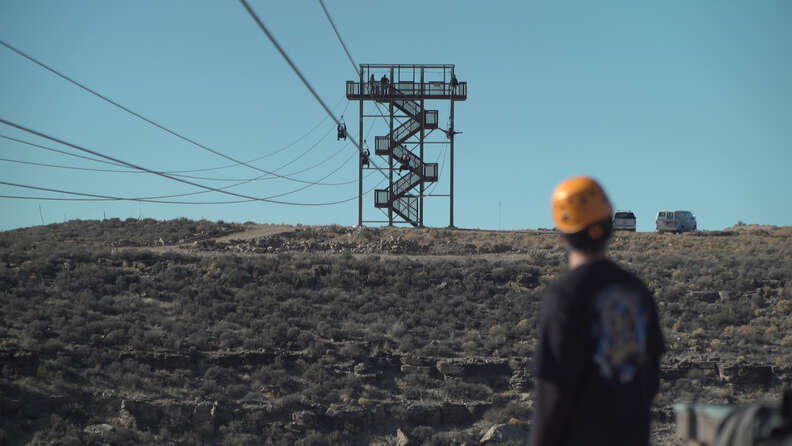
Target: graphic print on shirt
point(619, 329)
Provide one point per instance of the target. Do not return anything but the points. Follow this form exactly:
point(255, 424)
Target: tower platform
point(401, 90)
point(406, 81)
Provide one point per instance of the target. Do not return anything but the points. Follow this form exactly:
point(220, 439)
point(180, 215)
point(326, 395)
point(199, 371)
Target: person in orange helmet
point(600, 343)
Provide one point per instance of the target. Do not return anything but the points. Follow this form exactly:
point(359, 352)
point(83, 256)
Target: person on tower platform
point(384, 84)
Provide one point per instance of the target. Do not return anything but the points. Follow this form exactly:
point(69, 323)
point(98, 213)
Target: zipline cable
point(97, 197)
point(336, 153)
point(76, 155)
point(352, 61)
point(164, 175)
point(268, 175)
point(354, 65)
point(302, 78)
point(139, 116)
point(247, 181)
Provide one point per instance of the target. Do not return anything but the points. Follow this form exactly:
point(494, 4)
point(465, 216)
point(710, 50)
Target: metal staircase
point(406, 90)
point(392, 145)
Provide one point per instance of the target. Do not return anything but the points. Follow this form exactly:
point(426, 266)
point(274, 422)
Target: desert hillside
point(190, 332)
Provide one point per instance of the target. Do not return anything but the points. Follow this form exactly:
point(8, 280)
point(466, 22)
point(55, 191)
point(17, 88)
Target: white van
point(624, 221)
point(675, 221)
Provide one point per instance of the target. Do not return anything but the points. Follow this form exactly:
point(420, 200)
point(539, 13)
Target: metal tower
point(403, 89)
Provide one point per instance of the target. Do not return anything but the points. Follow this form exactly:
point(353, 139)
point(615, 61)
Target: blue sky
point(672, 105)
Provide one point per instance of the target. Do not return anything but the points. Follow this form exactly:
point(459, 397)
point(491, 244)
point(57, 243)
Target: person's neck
point(578, 258)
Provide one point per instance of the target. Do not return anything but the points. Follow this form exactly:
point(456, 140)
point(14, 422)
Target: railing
point(400, 134)
point(381, 198)
point(381, 145)
point(407, 208)
point(435, 89)
point(430, 88)
point(430, 119)
point(413, 109)
point(400, 150)
point(408, 106)
point(405, 183)
point(429, 171)
point(406, 130)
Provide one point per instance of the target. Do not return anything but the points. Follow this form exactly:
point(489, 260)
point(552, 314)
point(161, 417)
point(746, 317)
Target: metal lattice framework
point(404, 90)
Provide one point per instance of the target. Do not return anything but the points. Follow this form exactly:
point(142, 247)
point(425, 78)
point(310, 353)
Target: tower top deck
point(400, 81)
point(409, 66)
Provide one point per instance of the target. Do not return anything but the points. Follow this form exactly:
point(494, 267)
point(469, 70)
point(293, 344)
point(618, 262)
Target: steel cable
point(164, 175)
point(148, 120)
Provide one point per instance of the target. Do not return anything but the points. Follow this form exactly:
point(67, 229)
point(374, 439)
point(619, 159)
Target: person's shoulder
point(584, 273)
point(563, 280)
point(626, 277)
point(560, 291)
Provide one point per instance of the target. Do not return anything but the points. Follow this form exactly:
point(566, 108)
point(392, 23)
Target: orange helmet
point(580, 202)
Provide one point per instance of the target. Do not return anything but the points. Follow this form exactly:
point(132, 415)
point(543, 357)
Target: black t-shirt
point(597, 360)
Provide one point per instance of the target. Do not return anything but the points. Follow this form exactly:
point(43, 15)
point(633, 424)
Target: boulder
point(686, 368)
point(139, 415)
point(401, 439)
point(149, 415)
point(304, 419)
point(435, 413)
point(783, 373)
point(266, 411)
point(747, 374)
point(349, 418)
point(520, 380)
point(365, 372)
point(528, 279)
point(494, 371)
point(417, 364)
point(175, 412)
point(97, 432)
point(501, 433)
point(204, 415)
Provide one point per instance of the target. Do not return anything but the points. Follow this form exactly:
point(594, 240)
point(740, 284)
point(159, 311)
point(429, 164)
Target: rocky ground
point(251, 334)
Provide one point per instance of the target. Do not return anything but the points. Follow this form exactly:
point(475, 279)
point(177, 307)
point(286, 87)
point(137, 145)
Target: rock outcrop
point(746, 374)
point(496, 372)
point(150, 415)
point(502, 433)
